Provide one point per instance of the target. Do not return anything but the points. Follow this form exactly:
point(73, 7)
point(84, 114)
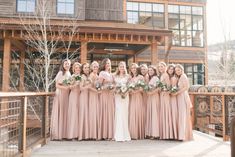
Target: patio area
point(203, 145)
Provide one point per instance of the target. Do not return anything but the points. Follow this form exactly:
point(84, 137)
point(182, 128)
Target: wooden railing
point(24, 122)
point(25, 117)
point(212, 112)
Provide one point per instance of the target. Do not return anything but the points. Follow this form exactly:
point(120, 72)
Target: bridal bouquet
point(98, 86)
point(174, 89)
point(132, 86)
point(77, 78)
point(122, 89)
point(141, 84)
point(68, 81)
point(159, 84)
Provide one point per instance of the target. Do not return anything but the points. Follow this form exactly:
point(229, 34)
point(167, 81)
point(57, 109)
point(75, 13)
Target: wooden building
point(142, 31)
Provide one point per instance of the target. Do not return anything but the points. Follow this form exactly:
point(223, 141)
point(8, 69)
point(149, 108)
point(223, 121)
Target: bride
point(121, 132)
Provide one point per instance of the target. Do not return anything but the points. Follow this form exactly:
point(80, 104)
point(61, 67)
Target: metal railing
point(213, 112)
point(24, 122)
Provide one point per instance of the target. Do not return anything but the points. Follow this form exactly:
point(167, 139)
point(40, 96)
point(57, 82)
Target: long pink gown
point(166, 128)
point(83, 120)
point(174, 108)
point(136, 112)
point(184, 104)
point(106, 109)
point(74, 100)
point(153, 112)
point(145, 97)
point(93, 108)
point(60, 109)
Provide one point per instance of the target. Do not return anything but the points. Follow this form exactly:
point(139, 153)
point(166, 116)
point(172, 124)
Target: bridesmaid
point(106, 121)
point(166, 128)
point(93, 102)
point(173, 100)
point(136, 113)
point(144, 73)
point(60, 103)
point(184, 105)
point(74, 100)
point(83, 121)
point(153, 106)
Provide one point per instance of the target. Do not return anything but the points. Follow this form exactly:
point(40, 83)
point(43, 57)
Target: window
point(186, 22)
point(195, 73)
point(149, 14)
point(27, 6)
point(65, 7)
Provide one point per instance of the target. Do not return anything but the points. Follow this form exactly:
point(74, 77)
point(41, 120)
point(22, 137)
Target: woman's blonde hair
point(124, 64)
point(179, 66)
point(75, 64)
point(93, 63)
point(137, 69)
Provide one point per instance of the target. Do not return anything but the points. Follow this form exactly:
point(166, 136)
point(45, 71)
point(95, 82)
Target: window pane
point(186, 38)
point(188, 68)
point(132, 6)
point(31, 6)
point(21, 7)
point(145, 7)
point(173, 22)
point(145, 18)
point(158, 8)
point(176, 38)
point(198, 38)
point(197, 23)
point(132, 17)
point(158, 20)
point(173, 8)
point(185, 22)
point(61, 8)
point(185, 9)
point(70, 8)
point(197, 10)
point(65, 7)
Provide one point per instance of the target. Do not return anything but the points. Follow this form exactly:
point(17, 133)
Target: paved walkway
point(202, 146)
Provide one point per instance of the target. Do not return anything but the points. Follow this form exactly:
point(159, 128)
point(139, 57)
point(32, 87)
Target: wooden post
point(23, 126)
point(83, 57)
point(134, 58)
point(22, 58)
point(154, 54)
point(6, 65)
point(223, 118)
point(45, 119)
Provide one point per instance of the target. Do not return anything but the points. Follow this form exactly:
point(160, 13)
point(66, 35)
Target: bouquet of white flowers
point(141, 84)
point(174, 89)
point(122, 89)
point(98, 86)
point(68, 81)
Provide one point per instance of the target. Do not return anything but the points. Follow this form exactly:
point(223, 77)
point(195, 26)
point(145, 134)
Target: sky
point(220, 20)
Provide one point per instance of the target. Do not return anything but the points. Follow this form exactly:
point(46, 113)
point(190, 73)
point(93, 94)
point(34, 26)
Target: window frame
point(65, 14)
point(25, 11)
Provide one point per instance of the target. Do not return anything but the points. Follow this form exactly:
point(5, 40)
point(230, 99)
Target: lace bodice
point(121, 80)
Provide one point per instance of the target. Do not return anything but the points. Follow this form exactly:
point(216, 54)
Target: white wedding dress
point(121, 132)
point(121, 129)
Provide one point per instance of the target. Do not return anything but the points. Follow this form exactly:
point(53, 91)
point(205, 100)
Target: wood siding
point(104, 10)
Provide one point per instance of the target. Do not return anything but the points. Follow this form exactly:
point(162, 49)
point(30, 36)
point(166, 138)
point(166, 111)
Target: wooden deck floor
point(202, 146)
